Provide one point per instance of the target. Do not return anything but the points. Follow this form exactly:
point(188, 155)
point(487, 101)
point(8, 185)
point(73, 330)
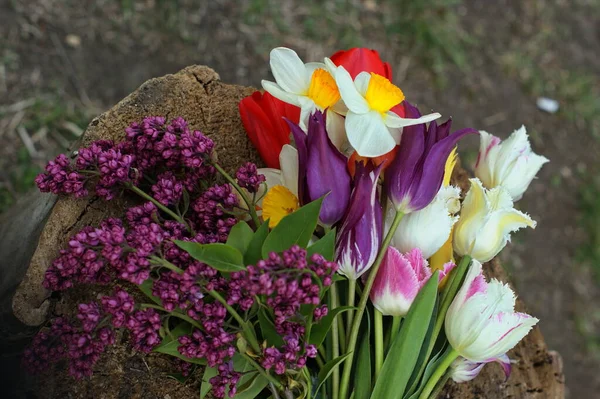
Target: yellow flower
point(278, 203)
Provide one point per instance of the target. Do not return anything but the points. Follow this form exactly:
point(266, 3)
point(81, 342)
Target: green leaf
point(435, 361)
point(170, 344)
point(295, 229)
point(364, 372)
point(222, 257)
point(328, 369)
point(413, 382)
point(404, 352)
point(325, 246)
point(241, 365)
point(240, 236)
point(319, 331)
point(146, 288)
point(253, 253)
point(268, 329)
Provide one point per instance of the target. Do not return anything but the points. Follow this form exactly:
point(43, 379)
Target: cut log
point(197, 94)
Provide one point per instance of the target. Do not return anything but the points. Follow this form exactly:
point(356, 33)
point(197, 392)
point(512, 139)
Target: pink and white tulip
point(481, 323)
point(463, 370)
point(509, 163)
point(399, 280)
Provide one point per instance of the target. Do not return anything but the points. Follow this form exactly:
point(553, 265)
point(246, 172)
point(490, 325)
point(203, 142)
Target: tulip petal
point(368, 135)
point(337, 131)
point(288, 158)
point(276, 91)
point(352, 98)
point(289, 70)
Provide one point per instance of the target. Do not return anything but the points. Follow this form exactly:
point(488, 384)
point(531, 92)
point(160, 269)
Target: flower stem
point(247, 200)
point(246, 328)
point(395, 328)
point(261, 370)
point(363, 304)
point(160, 206)
point(351, 299)
point(335, 343)
point(378, 316)
point(447, 360)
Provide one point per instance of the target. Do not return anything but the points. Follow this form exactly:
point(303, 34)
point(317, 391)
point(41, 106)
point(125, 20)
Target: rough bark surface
point(196, 94)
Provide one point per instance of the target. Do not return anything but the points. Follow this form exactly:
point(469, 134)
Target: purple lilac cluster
point(149, 147)
point(285, 282)
point(226, 378)
point(213, 212)
point(247, 177)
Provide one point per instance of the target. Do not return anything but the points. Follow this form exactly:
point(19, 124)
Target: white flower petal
point(288, 159)
point(331, 67)
point(368, 134)
point(393, 120)
point(289, 70)
point(313, 66)
point(337, 131)
point(352, 98)
point(361, 81)
point(279, 93)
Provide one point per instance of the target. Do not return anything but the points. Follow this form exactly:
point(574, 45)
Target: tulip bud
point(399, 280)
point(481, 323)
point(429, 228)
point(361, 230)
point(463, 370)
point(357, 60)
point(416, 173)
point(510, 164)
point(486, 220)
point(322, 170)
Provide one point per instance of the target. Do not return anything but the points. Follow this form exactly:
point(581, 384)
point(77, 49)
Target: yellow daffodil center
point(323, 90)
point(382, 94)
point(278, 203)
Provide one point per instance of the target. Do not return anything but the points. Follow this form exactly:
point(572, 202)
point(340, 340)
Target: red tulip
point(263, 118)
point(358, 59)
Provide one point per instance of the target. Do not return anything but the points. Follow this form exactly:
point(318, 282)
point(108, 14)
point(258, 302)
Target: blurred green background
point(483, 63)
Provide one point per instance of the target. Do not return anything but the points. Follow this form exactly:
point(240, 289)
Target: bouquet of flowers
point(350, 267)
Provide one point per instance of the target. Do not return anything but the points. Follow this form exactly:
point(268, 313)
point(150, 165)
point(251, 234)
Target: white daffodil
point(372, 128)
point(486, 220)
point(311, 87)
point(429, 228)
point(509, 163)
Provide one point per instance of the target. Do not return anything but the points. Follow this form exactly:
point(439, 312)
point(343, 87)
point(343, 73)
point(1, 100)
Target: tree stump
point(196, 94)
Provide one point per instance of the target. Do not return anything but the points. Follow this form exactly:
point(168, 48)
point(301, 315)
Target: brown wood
point(197, 94)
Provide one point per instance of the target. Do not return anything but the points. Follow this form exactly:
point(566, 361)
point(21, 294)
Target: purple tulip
point(415, 175)
point(322, 170)
point(361, 231)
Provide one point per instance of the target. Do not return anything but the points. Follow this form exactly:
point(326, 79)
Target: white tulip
point(429, 228)
point(510, 163)
point(486, 220)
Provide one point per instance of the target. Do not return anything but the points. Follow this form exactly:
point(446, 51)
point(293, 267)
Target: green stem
point(447, 360)
point(262, 371)
point(165, 263)
point(160, 206)
point(247, 200)
point(362, 305)
point(395, 328)
point(440, 385)
point(351, 299)
point(452, 286)
point(246, 328)
point(175, 314)
point(378, 317)
point(335, 378)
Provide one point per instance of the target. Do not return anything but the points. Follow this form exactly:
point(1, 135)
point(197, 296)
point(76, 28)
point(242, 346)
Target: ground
point(483, 63)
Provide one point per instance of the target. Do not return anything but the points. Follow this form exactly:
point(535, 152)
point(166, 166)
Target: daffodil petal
point(396, 133)
point(289, 70)
point(362, 82)
point(368, 134)
point(276, 91)
point(352, 98)
point(331, 67)
point(393, 120)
